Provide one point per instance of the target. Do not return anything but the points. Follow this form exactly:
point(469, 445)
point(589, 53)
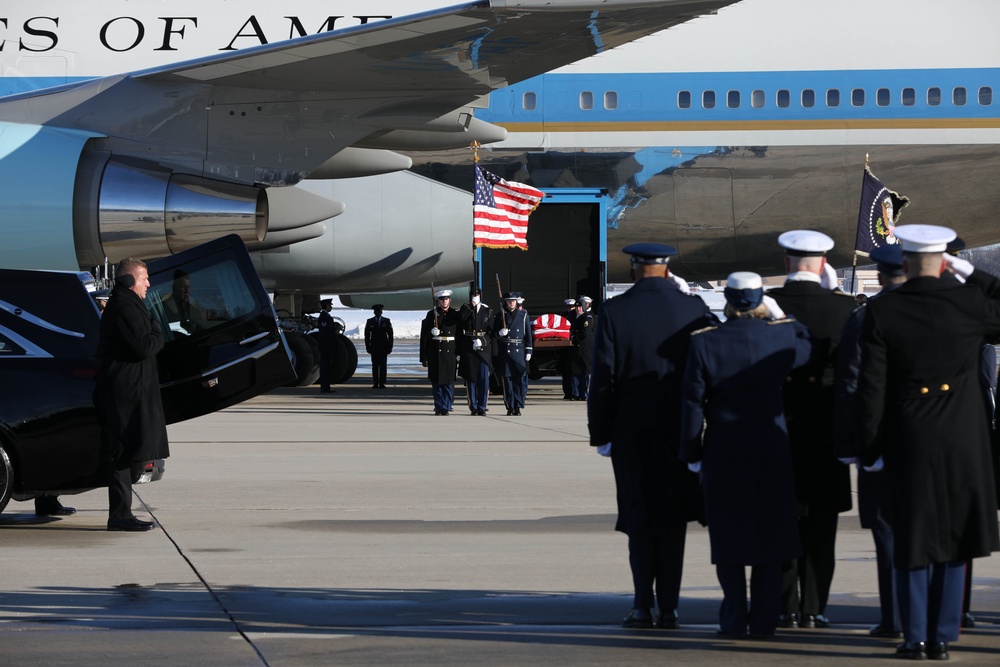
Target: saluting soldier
point(582, 337)
point(378, 343)
point(823, 483)
point(512, 332)
point(922, 415)
point(476, 349)
point(733, 432)
point(634, 416)
point(439, 350)
point(564, 360)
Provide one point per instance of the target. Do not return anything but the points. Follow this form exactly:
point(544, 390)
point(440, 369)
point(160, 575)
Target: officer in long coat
point(564, 360)
point(923, 417)
point(582, 337)
point(634, 411)
point(326, 336)
point(476, 351)
point(127, 397)
point(439, 350)
point(514, 342)
point(733, 431)
point(823, 483)
point(378, 343)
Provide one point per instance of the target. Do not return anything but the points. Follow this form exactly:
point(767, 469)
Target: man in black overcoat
point(128, 390)
point(634, 416)
point(582, 337)
point(564, 360)
point(378, 343)
point(922, 416)
point(476, 350)
point(327, 330)
point(439, 350)
point(822, 483)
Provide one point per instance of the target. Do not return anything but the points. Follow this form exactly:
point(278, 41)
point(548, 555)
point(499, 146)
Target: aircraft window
point(933, 96)
point(528, 101)
point(986, 96)
point(684, 99)
point(882, 97)
point(733, 99)
point(783, 99)
point(808, 98)
point(833, 98)
point(757, 99)
point(708, 99)
point(610, 100)
point(909, 97)
point(858, 97)
point(190, 304)
point(958, 96)
point(586, 100)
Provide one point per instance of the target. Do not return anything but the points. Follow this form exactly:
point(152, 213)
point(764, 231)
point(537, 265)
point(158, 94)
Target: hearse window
point(833, 98)
point(733, 99)
point(757, 99)
point(909, 97)
point(528, 101)
point(933, 96)
point(783, 99)
point(684, 99)
point(882, 97)
point(958, 96)
point(9, 348)
point(858, 97)
point(586, 100)
point(986, 96)
point(708, 99)
point(611, 100)
point(808, 98)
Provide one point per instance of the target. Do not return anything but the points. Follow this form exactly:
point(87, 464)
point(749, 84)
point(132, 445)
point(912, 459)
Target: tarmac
point(357, 528)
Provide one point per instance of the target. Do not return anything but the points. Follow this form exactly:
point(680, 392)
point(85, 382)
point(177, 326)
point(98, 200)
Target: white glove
point(848, 460)
point(774, 311)
point(477, 344)
point(503, 332)
point(435, 331)
point(695, 467)
point(681, 283)
point(527, 357)
point(962, 268)
point(875, 467)
point(829, 277)
point(605, 449)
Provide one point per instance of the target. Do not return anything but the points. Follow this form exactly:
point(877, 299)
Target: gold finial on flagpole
point(866, 160)
point(475, 151)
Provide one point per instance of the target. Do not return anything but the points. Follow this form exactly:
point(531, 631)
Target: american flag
point(500, 211)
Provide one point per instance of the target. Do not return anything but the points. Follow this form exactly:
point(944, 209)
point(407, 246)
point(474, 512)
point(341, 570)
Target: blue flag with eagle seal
point(879, 214)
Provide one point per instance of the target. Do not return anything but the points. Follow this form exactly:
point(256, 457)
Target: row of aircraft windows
point(783, 98)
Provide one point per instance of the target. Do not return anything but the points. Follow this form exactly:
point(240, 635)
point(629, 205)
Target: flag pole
point(475, 146)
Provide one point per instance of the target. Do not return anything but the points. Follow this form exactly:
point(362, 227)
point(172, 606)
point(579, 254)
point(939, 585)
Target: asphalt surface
point(356, 528)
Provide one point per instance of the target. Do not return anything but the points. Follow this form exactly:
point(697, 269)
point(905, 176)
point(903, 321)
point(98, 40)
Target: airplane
point(139, 128)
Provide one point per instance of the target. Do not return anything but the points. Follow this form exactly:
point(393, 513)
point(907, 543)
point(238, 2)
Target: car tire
point(6, 478)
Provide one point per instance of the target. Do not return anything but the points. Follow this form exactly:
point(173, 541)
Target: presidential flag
point(500, 211)
point(879, 214)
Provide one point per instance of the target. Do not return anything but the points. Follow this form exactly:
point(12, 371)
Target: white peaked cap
point(441, 293)
point(924, 238)
point(805, 242)
point(744, 280)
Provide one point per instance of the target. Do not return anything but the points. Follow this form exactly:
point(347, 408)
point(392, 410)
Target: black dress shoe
point(814, 621)
point(638, 618)
point(788, 621)
point(912, 651)
point(131, 525)
point(517, 412)
point(937, 651)
point(481, 413)
point(667, 620)
point(510, 413)
point(50, 506)
point(884, 632)
point(968, 620)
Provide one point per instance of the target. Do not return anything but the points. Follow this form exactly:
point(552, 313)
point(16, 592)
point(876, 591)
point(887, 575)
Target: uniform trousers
point(805, 585)
point(765, 599)
point(882, 536)
point(580, 387)
point(930, 601)
point(658, 562)
point(515, 390)
point(119, 491)
point(325, 368)
point(379, 369)
point(478, 386)
point(444, 396)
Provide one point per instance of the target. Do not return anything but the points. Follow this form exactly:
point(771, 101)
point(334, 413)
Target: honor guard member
point(823, 483)
point(565, 358)
point(871, 506)
point(923, 421)
point(512, 332)
point(733, 432)
point(582, 337)
point(378, 343)
point(522, 309)
point(327, 339)
point(476, 350)
point(634, 416)
point(439, 350)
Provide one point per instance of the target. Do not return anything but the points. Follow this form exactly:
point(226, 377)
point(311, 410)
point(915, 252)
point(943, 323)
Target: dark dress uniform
point(922, 409)
point(640, 347)
point(823, 484)
point(733, 384)
point(440, 354)
point(476, 359)
point(327, 339)
point(582, 337)
point(378, 343)
point(512, 351)
point(564, 360)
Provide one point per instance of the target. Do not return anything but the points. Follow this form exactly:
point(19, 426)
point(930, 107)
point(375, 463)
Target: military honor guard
point(476, 350)
point(565, 358)
point(439, 350)
point(327, 338)
point(582, 337)
point(634, 416)
point(512, 333)
point(923, 423)
point(733, 433)
point(378, 344)
point(823, 484)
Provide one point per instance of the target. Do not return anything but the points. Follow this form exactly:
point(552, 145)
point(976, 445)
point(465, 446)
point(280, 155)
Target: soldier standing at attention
point(476, 347)
point(439, 350)
point(327, 339)
point(822, 483)
point(582, 336)
point(634, 416)
point(565, 358)
point(512, 333)
point(378, 343)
